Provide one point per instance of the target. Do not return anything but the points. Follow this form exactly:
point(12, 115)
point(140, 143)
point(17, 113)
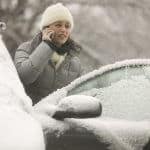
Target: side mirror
point(78, 106)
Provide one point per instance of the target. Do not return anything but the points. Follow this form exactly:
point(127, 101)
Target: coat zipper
point(53, 66)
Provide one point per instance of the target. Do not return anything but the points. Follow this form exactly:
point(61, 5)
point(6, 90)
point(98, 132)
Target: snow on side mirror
point(78, 106)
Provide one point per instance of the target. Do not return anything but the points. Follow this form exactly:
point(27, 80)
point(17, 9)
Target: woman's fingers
point(47, 34)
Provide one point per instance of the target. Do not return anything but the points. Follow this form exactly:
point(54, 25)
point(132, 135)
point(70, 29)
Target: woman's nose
point(63, 28)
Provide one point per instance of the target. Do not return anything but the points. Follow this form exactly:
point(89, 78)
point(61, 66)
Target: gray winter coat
point(39, 74)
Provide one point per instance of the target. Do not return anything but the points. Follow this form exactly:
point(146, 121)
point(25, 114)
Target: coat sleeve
point(29, 66)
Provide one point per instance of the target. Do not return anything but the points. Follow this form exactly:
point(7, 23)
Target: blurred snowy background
point(108, 30)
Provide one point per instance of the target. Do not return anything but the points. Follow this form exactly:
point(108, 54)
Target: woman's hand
point(47, 34)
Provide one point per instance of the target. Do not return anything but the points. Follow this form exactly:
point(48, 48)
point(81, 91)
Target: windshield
point(124, 92)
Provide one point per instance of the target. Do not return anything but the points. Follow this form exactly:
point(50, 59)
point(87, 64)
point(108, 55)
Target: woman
point(49, 61)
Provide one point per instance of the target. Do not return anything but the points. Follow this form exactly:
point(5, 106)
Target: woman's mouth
point(62, 36)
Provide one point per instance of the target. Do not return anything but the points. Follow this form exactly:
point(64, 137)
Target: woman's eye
point(58, 25)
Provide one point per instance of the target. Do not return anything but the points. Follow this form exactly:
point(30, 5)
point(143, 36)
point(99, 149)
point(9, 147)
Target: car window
point(124, 92)
point(107, 78)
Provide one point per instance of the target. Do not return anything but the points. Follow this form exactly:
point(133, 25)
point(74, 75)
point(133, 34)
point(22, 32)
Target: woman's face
point(62, 30)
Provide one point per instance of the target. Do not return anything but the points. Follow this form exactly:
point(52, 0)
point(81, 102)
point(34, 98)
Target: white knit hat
point(55, 13)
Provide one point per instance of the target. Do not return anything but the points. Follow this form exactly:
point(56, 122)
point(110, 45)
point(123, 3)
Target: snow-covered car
point(122, 88)
point(19, 130)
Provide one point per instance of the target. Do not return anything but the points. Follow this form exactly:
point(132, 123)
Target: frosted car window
point(124, 93)
point(107, 78)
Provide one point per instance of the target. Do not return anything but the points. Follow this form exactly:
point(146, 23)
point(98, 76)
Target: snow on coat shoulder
point(18, 129)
